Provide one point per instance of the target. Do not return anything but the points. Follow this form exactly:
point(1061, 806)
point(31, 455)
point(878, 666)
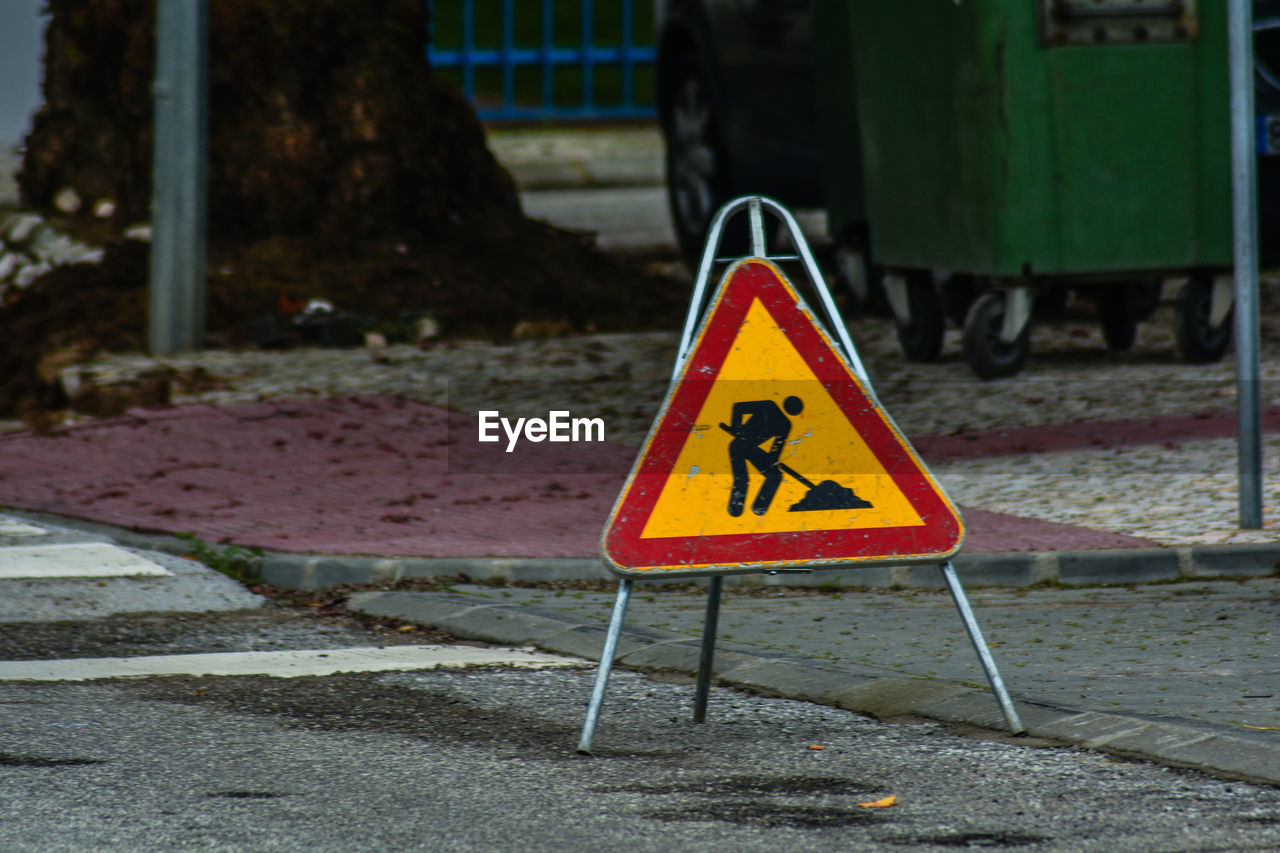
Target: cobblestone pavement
point(1171, 492)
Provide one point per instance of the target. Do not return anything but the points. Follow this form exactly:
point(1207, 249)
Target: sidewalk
point(1184, 674)
point(549, 159)
point(365, 489)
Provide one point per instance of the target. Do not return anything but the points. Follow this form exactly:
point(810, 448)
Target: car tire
point(696, 158)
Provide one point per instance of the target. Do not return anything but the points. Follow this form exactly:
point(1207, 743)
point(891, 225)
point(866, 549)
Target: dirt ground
point(543, 281)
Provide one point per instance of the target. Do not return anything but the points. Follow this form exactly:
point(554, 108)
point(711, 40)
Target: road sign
point(770, 453)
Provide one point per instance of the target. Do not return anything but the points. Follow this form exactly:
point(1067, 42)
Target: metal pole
point(980, 646)
point(606, 664)
point(177, 291)
point(1245, 227)
point(758, 248)
point(708, 649)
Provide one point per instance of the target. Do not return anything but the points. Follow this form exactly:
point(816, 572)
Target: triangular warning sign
point(769, 452)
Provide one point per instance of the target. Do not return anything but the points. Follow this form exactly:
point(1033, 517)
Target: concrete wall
point(21, 52)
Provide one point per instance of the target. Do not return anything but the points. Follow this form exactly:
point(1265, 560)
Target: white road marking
point(82, 560)
point(14, 527)
point(288, 664)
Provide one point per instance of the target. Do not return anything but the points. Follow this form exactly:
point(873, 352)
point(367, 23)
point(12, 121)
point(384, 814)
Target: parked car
point(735, 93)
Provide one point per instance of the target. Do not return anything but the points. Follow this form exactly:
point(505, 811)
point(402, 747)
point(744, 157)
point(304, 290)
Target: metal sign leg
point(980, 646)
point(606, 664)
point(714, 589)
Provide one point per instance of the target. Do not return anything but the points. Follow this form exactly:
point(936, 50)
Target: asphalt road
point(484, 761)
point(622, 217)
point(483, 758)
point(628, 217)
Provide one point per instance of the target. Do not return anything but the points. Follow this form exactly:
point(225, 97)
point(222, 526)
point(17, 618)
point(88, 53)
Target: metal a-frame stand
point(755, 206)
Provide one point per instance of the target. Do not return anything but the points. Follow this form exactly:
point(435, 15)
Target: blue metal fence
point(546, 56)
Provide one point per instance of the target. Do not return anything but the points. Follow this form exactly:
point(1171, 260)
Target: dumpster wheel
point(1118, 317)
point(921, 335)
point(860, 278)
point(959, 292)
point(1122, 305)
point(988, 355)
point(1199, 340)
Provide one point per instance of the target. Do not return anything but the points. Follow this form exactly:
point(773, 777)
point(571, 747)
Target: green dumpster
point(1011, 148)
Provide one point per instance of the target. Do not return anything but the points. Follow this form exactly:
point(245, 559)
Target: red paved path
point(379, 476)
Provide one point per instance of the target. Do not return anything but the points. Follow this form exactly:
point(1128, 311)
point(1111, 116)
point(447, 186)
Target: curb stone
point(1071, 568)
point(1176, 742)
point(1121, 566)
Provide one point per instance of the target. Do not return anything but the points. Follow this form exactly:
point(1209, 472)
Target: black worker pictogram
point(759, 430)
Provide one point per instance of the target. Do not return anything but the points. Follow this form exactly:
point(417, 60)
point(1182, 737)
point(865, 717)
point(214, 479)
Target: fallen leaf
point(407, 628)
point(891, 800)
point(1262, 728)
point(816, 746)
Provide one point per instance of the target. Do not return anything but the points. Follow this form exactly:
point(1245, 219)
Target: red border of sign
point(622, 546)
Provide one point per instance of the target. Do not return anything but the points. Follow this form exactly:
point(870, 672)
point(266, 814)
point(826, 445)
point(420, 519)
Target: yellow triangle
point(822, 445)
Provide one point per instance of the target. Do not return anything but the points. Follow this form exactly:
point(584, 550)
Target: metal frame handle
point(756, 206)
